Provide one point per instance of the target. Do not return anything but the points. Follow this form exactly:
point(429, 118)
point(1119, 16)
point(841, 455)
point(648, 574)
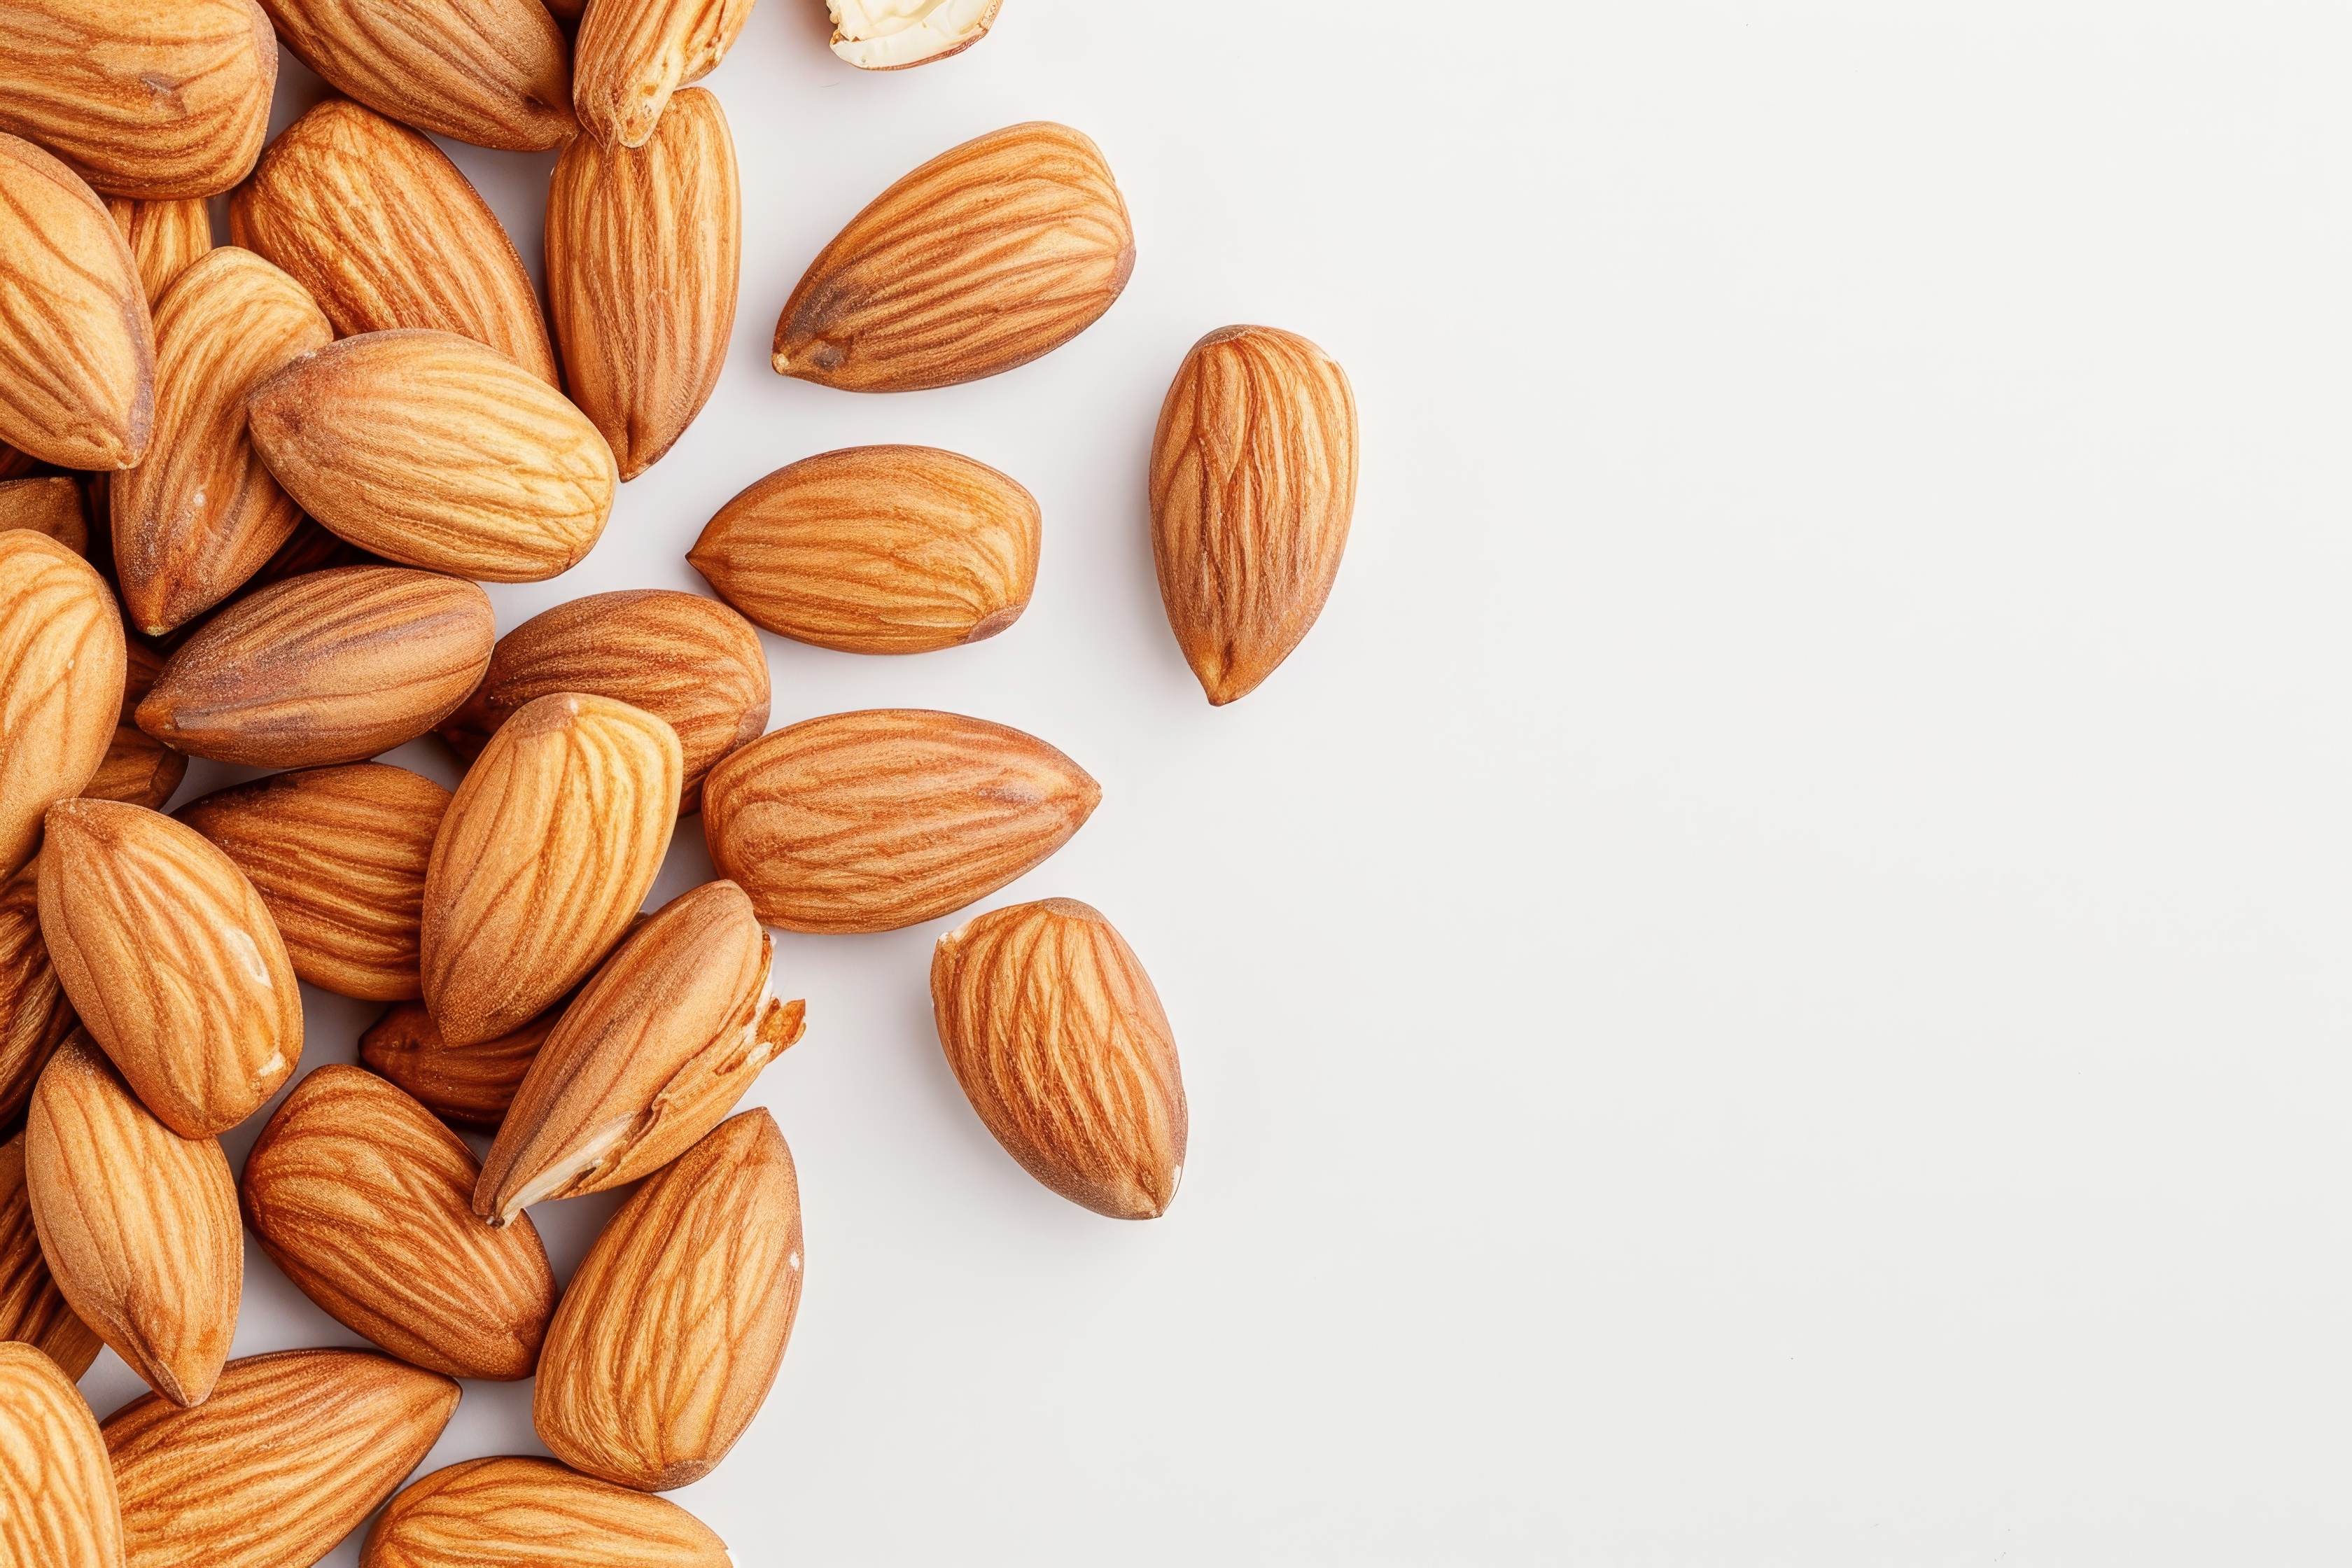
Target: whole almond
point(138, 1224)
point(362, 1198)
point(1061, 1044)
point(166, 237)
point(61, 642)
point(881, 36)
point(146, 101)
point(139, 769)
point(669, 1336)
point(545, 855)
point(654, 1054)
point(632, 54)
point(871, 821)
point(33, 1310)
point(509, 1512)
point(643, 253)
point(338, 856)
point(34, 1016)
point(58, 1507)
point(1244, 567)
point(77, 350)
point(467, 1086)
point(286, 1458)
point(431, 449)
point(51, 506)
point(172, 962)
point(496, 73)
point(385, 232)
point(986, 257)
point(877, 550)
point(690, 661)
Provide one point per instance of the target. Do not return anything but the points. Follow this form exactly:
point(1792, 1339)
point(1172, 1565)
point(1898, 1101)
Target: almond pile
point(248, 497)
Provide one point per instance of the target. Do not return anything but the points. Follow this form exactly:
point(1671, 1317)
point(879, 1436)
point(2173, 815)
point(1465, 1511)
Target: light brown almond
point(632, 54)
point(496, 73)
point(58, 1507)
point(533, 1513)
point(888, 37)
point(51, 506)
point(165, 237)
point(872, 821)
point(466, 1086)
point(61, 645)
point(33, 1310)
point(139, 769)
point(34, 1014)
point(669, 1336)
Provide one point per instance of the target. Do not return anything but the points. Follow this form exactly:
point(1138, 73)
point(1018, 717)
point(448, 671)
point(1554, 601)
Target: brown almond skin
point(385, 232)
point(139, 769)
point(33, 1310)
point(338, 854)
point(877, 550)
point(520, 1512)
point(61, 641)
point(466, 1086)
point(990, 255)
point(155, 1266)
point(877, 820)
point(496, 73)
point(34, 1014)
point(289, 1456)
point(331, 666)
point(362, 1198)
point(166, 237)
point(669, 1336)
point(690, 661)
point(58, 1507)
point(632, 54)
point(51, 506)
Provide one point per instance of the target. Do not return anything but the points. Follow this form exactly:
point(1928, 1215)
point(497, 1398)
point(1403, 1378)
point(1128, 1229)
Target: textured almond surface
point(56, 1492)
point(172, 962)
point(871, 821)
point(644, 253)
point(470, 1086)
point(385, 232)
point(362, 1198)
point(632, 54)
point(544, 858)
point(34, 1016)
point(669, 1336)
point(1061, 1044)
point(138, 1224)
point(61, 672)
point(877, 550)
point(166, 237)
point(338, 856)
point(288, 1456)
point(431, 449)
point(533, 1513)
point(138, 770)
point(493, 72)
point(202, 513)
point(987, 256)
point(690, 662)
point(330, 667)
point(1252, 484)
point(32, 1309)
point(51, 506)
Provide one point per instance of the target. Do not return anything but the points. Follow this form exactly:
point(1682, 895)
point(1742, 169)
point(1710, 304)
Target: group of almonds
point(246, 496)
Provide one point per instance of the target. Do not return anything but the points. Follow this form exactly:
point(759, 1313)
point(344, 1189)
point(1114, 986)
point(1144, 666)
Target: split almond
point(139, 769)
point(467, 1086)
point(61, 642)
point(51, 506)
point(892, 35)
point(632, 54)
point(502, 1513)
point(33, 1311)
point(166, 238)
point(58, 1506)
point(496, 73)
point(34, 1016)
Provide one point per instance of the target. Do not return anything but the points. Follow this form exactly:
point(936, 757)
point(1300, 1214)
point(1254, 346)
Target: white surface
point(1768, 986)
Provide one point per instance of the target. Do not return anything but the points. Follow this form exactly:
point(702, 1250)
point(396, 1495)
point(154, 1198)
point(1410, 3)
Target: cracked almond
point(895, 35)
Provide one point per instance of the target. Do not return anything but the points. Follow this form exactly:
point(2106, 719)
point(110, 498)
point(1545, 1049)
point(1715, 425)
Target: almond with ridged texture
point(893, 35)
point(657, 1050)
point(669, 1336)
point(466, 1086)
point(362, 1198)
point(165, 237)
point(497, 73)
point(61, 653)
point(33, 1311)
point(430, 449)
point(385, 232)
point(77, 350)
point(288, 1456)
point(58, 1507)
point(690, 661)
point(338, 856)
point(520, 1512)
point(632, 54)
point(51, 506)
point(544, 857)
point(16, 465)
point(644, 253)
point(872, 821)
point(986, 257)
point(34, 1014)
point(877, 550)
point(1061, 1044)
point(171, 961)
point(139, 769)
point(138, 1224)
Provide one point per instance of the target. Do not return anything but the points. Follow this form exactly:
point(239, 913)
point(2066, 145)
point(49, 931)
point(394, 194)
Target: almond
point(655, 1052)
point(330, 667)
point(1061, 1044)
point(146, 101)
point(694, 664)
point(431, 449)
point(14, 464)
point(76, 351)
point(61, 642)
point(877, 550)
point(170, 960)
point(669, 1336)
point(467, 1086)
point(286, 1458)
point(138, 1224)
point(165, 237)
point(1246, 563)
point(867, 822)
point(633, 54)
point(139, 769)
point(34, 1016)
point(57, 1508)
point(547, 851)
point(643, 253)
point(893, 34)
point(51, 506)
point(338, 856)
point(32, 1309)
point(362, 1198)
point(986, 257)
point(385, 232)
point(509, 1512)
point(496, 73)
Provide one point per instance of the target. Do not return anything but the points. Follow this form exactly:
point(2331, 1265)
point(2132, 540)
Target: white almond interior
point(876, 34)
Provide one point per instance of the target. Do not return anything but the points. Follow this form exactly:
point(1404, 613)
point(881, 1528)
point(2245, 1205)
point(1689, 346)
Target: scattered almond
point(496, 73)
point(467, 1086)
point(48, 506)
point(34, 1016)
point(633, 54)
point(892, 35)
point(61, 641)
point(165, 237)
point(57, 1508)
point(507, 1512)
point(33, 1311)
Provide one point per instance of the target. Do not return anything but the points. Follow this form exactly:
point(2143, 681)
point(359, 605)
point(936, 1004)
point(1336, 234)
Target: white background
point(1768, 986)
